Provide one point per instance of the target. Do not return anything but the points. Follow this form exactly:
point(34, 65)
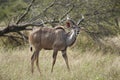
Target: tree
point(101, 16)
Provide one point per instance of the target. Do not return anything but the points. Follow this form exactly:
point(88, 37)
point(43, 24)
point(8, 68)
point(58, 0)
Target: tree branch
point(67, 12)
point(21, 27)
point(44, 10)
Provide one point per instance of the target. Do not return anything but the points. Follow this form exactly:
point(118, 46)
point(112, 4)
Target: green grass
point(89, 65)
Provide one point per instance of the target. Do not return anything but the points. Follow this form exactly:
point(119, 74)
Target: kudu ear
point(80, 20)
point(69, 22)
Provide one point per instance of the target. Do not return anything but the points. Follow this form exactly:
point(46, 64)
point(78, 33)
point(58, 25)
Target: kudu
point(56, 39)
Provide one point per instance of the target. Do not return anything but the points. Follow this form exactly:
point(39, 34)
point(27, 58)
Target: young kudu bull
point(56, 39)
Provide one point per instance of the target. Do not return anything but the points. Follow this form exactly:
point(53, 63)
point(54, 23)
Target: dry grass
point(90, 65)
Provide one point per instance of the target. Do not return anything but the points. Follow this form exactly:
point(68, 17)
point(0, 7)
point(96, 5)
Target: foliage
point(11, 8)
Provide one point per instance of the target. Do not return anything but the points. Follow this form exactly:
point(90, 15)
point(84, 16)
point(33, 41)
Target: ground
point(88, 65)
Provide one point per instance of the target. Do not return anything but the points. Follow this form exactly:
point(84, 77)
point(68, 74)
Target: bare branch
point(12, 36)
point(25, 38)
point(52, 4)
point(26, 12)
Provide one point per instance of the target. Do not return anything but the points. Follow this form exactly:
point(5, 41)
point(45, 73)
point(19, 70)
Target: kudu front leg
point(54, 58)
point(64, 54)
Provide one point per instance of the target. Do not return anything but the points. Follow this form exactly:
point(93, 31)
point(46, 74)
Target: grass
point(90, 65)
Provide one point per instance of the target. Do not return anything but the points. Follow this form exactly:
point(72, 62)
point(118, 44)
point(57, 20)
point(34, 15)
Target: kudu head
point(74, 26)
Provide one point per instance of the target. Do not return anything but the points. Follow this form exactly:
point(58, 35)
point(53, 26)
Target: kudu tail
point(31, 48)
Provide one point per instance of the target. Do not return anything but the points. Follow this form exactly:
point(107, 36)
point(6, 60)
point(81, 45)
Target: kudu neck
point(71, 38)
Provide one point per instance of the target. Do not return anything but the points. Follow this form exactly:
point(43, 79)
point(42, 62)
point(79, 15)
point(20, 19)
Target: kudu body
point(56, 39)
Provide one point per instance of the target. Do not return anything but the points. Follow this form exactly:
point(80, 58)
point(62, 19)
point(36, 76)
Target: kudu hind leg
point(54, 59)
point(32, 62)
point(66, 59)
point(33, 58)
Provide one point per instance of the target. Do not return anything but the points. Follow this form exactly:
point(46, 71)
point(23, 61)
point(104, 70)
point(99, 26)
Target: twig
point(67, 13)
point(44, 10)
point(25, 38)
point(52, 4)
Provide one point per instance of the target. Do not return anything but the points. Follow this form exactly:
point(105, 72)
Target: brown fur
point(55, 39)
point(49, 39)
